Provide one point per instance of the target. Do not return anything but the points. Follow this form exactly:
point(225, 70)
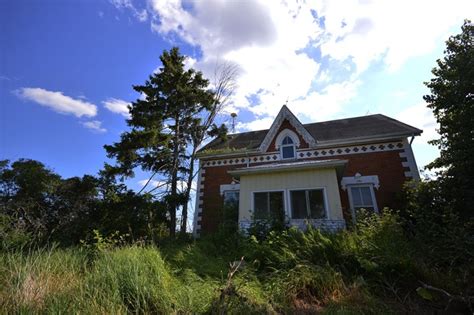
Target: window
point(231, 207)
point(308, 204)
point(269, 205)
point(287, 148)
point(362, 196)
point(231, 198)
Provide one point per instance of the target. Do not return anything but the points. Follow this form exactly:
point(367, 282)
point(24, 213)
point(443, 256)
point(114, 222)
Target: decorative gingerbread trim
point(308, 154)
point(285, 113)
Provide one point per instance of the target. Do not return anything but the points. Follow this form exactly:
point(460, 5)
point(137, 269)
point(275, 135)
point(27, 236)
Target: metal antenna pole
point(233, 115)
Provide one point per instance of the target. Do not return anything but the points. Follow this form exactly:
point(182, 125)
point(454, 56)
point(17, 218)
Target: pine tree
point(163, 122)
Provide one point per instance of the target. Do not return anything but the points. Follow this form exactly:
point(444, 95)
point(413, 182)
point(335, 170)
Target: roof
point(289, 166)
point(327, 132)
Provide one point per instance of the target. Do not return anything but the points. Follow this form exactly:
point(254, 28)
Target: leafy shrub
point(445, 239)
point(13, 235)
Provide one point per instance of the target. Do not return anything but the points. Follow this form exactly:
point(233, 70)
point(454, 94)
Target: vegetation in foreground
point(376, 268)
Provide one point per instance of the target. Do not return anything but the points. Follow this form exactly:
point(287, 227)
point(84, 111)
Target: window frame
point(290, 145)
point(351, 201)
point(252, 205)
point(233, 191)
point(325, 198)
point(295, 145)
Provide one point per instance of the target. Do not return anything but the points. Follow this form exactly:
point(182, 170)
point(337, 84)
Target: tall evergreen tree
point(452, 102)
point(163, 122)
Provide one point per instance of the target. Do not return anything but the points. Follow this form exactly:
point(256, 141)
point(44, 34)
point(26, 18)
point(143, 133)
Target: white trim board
point(285, 113)
point(307, 154)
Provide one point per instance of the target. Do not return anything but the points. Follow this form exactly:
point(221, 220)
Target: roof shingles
point(340, 130)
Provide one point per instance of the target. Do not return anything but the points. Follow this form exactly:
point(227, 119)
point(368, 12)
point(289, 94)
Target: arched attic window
point(287, 148)
point(287, 142)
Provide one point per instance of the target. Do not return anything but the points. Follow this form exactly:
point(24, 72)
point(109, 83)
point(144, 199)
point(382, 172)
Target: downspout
point(412, 138)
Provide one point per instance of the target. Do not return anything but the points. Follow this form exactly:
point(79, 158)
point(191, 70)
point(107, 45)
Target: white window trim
point(287, 200)
point(358, 179)
point(279, 146)
point(229, 187)
point(326, 203)
point(351, 202)
point(286, 146)
point(252, 205)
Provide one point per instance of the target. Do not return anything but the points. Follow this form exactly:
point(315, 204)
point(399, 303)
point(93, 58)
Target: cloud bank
point(311, 54)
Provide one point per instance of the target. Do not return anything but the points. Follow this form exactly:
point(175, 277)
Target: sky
point(67, 67)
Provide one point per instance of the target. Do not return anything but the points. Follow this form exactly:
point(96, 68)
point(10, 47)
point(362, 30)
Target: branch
point(148, 181)
point(452, 297)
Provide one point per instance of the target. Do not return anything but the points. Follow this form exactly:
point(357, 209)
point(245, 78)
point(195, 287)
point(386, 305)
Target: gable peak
point(286, 114)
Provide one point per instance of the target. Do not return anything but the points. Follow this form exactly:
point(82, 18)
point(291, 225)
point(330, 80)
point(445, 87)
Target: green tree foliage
point(452, 102)
point(175, 113)
point(38, 206)
point(27, 193)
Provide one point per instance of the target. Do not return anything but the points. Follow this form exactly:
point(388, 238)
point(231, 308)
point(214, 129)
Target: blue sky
point(67, 67)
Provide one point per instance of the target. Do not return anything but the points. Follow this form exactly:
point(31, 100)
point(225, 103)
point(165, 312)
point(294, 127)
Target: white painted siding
point(306, 179)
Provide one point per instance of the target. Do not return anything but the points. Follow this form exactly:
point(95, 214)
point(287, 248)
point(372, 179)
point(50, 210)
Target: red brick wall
point(387, 165)
point(212, 179)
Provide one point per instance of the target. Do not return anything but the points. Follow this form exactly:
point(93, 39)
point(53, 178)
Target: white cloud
point(58, 102)
point(392, 31)
point(153, 183)
point(275, 45)
point(264, 39)
point(315, 106)
point(163, 185)
point(421, 117)
point(256, 124)
point(94, 125)
point(325, 105)
point(140, 15)
point(117, 106)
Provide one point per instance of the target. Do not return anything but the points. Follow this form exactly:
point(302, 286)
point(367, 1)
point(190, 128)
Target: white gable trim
point(285, 113)
point(289, 133)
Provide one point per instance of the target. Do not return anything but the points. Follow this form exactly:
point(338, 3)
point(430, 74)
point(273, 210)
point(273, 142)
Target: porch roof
point(290, 166)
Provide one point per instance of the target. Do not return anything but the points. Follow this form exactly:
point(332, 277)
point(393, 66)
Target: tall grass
point(372, 270)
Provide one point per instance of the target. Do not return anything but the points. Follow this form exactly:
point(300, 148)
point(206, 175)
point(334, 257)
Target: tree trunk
point(184, 215)
point(174, 179)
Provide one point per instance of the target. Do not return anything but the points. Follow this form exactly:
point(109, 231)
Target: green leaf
point(424, 293)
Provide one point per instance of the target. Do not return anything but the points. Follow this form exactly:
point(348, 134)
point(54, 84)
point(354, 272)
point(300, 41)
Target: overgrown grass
point(373, 270)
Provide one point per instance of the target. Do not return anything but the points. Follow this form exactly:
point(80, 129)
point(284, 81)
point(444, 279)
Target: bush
point(445, 239)
point(13, 235)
